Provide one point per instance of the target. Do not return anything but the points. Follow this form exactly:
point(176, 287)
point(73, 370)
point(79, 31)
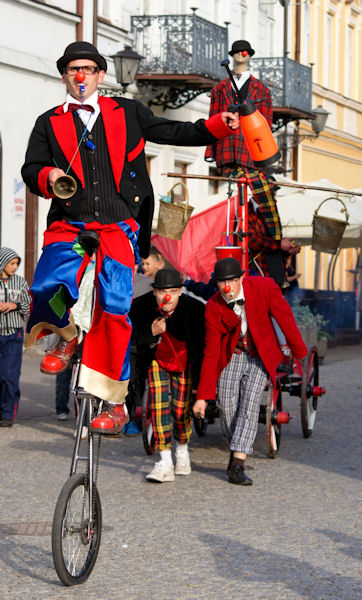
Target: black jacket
point(186, 324)
point(128, 125)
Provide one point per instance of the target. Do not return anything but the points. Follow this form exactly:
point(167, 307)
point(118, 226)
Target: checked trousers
point(263, 189)
point(240, 388)
point(170, 405)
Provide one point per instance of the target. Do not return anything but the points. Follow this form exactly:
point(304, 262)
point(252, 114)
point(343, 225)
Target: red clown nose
point(227, 289)
point(80, 76)
point(244, 52)
point(167, 298)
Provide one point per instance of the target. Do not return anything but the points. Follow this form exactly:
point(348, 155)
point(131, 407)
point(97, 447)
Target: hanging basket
point(174, 215)
point(328, 232)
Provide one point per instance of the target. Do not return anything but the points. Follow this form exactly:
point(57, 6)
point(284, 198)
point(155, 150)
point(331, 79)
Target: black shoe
point(230, 461)
point(237, 475)
point(6, 423)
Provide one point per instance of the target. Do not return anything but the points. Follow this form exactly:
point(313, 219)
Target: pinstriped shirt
point(14, 289)
point(100, 200)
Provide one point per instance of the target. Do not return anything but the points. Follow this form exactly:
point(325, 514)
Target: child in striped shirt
point(14, 309)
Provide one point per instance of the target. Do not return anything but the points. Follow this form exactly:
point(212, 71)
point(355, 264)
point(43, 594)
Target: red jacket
point(263, 299)
point(234, 150)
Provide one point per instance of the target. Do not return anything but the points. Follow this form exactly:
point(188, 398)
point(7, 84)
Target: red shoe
point(57, 359)
point(111, 421)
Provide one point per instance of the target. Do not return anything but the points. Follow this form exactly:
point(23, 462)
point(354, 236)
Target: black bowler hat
point(167, 278)
point(227, 268)
point(77, 50)
point(241, 45)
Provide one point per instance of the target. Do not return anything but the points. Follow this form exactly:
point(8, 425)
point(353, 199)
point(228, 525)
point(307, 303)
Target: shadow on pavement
point(240, 562)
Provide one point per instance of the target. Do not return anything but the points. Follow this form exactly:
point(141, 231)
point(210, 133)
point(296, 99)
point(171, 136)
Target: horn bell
point(64, 187)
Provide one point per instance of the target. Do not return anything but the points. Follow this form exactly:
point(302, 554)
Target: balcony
point(182, 55)
point(290, 84)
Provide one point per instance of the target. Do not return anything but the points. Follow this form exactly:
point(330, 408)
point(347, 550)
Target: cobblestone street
point(294, 535)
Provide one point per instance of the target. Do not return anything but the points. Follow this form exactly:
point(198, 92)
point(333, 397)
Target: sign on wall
point(18, 208)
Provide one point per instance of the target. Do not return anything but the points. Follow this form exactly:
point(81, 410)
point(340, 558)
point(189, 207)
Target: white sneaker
point(84, 433)
point(183, 465)
point(161, 472)
point(62, 416)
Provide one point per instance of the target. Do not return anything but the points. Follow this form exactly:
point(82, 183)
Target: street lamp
point(126, 63)
point(287, 140)
point(319, 122)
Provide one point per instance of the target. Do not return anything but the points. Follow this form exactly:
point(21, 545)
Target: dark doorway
point(31, 235)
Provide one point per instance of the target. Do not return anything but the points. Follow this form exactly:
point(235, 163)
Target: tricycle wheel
point(308, 400)
point(147, 428)
point(273, 428)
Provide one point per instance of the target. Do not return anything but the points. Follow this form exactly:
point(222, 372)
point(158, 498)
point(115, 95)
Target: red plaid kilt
point(260, 243)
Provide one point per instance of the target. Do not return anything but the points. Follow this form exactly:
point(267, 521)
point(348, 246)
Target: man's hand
point(6, 307)
point(53, 175)
point(158, 326)
point(231, 119)
point(289, 246)
point(199, 408)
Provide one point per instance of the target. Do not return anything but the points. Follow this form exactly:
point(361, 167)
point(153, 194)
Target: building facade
point(329, 36)
point(34, 34)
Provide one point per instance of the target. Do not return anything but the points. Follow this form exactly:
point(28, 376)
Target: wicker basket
point(173, 216)
point(328, 232)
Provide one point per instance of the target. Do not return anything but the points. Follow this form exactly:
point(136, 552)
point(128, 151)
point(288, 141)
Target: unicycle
point(77, 520)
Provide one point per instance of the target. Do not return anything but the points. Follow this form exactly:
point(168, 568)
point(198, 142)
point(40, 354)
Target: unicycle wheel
point(75, 541)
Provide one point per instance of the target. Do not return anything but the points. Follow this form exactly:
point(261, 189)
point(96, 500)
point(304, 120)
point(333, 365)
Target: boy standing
point(14, 308)
point(169, 333)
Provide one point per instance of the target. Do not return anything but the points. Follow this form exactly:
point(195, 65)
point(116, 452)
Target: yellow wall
point(336, 154)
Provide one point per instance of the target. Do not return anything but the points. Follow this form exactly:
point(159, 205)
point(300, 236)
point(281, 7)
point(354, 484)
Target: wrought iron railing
point(180, 44)
point(290, 82)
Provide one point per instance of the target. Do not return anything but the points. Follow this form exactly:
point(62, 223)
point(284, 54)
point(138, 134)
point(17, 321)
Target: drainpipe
point(95, 16)
point(79, 26)
point(297, 59)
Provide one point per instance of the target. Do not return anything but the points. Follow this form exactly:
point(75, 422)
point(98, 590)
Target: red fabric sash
point(171, 354)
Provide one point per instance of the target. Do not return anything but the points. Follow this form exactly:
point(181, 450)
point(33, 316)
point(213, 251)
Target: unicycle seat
point(89, 240)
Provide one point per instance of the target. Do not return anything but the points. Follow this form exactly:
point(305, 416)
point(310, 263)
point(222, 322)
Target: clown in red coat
point(241, 352)
point(100, 143)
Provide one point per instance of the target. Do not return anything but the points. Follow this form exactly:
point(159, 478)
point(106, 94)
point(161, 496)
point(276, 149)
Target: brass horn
point(64, 187)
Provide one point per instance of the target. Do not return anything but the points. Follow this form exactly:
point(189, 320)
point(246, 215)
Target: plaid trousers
point(240, 388)
point(170, 413)
point(263, 189)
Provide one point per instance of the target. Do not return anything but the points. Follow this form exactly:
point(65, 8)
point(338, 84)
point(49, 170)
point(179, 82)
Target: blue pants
point(11, 355)
point(62, 390)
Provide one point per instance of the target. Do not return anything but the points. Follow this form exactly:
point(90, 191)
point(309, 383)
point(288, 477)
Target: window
point(306, 35)
point(348, 64)
point(104, 8)
point(328, 56)
point(181, 167)
point(213, 185)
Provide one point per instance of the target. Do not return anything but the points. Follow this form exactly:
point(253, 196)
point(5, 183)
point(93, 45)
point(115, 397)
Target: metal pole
point(316, 270)
point(302, 186)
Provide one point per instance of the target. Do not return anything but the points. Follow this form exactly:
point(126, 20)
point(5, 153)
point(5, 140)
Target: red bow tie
point(73, 107)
